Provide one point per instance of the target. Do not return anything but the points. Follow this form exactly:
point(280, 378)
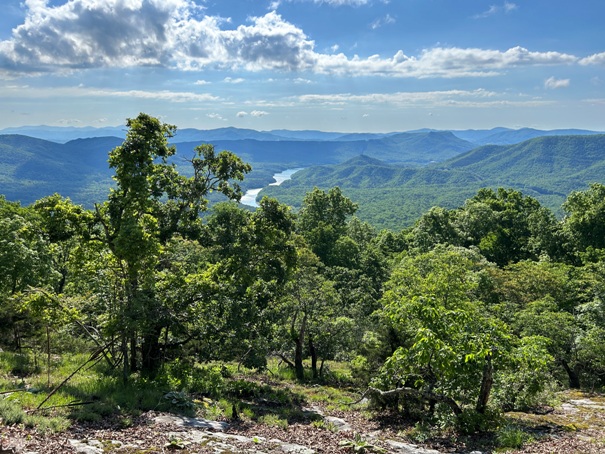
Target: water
point(249, 198)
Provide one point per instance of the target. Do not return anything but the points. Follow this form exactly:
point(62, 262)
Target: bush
point(470, 421)
point(512, 437)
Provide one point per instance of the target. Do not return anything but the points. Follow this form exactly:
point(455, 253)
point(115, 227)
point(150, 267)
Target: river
point(249, 198)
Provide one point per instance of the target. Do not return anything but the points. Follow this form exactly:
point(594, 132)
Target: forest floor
point(576, 425)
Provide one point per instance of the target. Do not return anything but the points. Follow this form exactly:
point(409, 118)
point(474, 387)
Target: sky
point(330, 65)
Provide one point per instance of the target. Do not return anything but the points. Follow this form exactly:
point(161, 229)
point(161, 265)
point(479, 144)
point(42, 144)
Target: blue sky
point(332, 65)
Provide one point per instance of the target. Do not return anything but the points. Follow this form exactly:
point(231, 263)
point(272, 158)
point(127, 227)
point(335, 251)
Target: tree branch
point(427, 395)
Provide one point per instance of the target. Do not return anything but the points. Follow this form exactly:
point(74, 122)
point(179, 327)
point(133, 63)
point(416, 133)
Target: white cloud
point(241, 114)
point(343, 2)
point(201, 82)
point(506, 8)
point(259, 113)
point(479, 98)
point(441, 62)
point(216, 116)
point(386, 20)
point(595, 59)
point(84, 34)
point(552, 83)
point(231, 80)
point(83, 92)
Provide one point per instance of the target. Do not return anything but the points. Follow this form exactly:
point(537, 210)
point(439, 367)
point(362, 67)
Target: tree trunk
point(151, 352)
point(299, 339)
point(125, 368)
point(133, 353)
point(313, 353)
point(298, 359)
point(574, 378)
point(486, 385)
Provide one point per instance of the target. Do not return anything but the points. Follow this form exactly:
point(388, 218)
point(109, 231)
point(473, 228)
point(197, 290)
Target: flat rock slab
point(292, 448)
point(194, 423)
point(569, 408)
point(587, 403)
point(408, 448)
point(87, 446)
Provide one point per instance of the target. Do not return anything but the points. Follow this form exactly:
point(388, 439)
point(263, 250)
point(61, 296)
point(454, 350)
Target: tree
point(322, 222)
point(585, 219)
point(450, 346)
point(309, 300)
point(151, 203)
point(25, 261)
point(506, 226)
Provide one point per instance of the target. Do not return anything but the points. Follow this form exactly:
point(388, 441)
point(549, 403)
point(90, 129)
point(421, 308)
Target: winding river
point(249, 198)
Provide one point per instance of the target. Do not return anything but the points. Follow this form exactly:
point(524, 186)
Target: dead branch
point(427, 395)
point(96, 356)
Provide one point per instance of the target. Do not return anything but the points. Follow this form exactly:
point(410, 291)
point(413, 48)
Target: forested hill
point(393, 196)
point(394, 178)
point(32, 168)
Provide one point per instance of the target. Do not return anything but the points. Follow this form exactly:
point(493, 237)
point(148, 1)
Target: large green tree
point(151, 203)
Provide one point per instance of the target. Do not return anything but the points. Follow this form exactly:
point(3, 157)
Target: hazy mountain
point(32, 168)
point(306, 134)
point(62, 134)
point(503, 136)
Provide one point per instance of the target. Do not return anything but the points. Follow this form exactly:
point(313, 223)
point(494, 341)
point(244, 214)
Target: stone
point(196, 423)
point(408, 448)
point(87, 446)
point(340, 424)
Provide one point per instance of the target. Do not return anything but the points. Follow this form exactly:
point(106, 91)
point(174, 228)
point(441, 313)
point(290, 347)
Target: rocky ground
point(576, 426)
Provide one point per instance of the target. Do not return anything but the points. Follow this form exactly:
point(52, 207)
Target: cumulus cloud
point(231, 80)
point(552, 83)
point(216, 116)
point(441, 62)
point(175, 34)
point(595, 59)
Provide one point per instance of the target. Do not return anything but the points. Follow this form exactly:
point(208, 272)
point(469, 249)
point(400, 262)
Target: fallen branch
point(71, 404)
point(95, 356)
point(430, 396)
point(286, 360)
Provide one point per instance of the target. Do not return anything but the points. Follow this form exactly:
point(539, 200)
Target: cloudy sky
point(332, 65)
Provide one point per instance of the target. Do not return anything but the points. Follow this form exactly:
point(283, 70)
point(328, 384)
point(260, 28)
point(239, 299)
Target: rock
point(569, 408)
point(292, 447)
point(197, 423)
point(87, 446)
point(586, 403)
point(408, 448)
point(340, 424)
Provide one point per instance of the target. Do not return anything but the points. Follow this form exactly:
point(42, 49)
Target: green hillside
point(33, 168)
point(393, 196)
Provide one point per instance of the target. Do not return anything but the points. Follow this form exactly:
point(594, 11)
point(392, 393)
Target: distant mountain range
point(31, 168)
point(394, 177)
point(495, 136)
